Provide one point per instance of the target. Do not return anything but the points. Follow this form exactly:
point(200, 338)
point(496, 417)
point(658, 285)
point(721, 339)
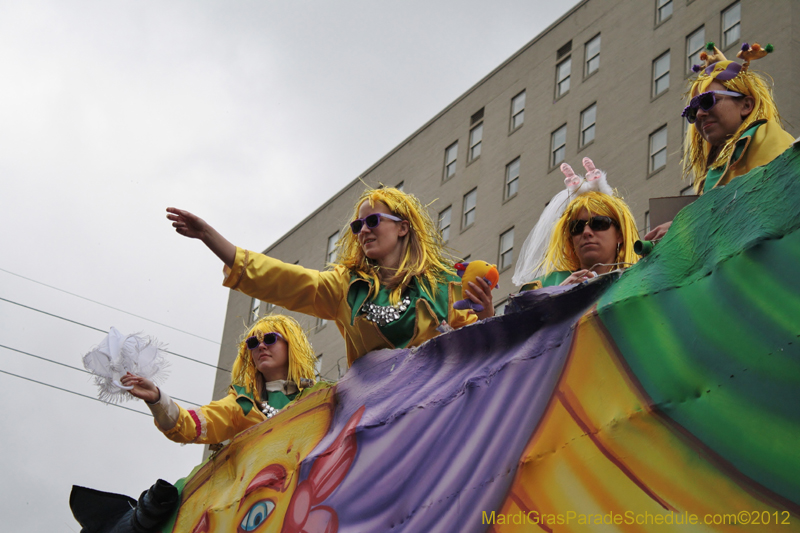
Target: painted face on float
point(253, 484)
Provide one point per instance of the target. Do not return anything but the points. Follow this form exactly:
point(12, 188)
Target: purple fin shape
point(467, 304)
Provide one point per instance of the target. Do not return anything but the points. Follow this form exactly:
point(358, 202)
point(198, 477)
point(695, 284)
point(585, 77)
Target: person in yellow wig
point(275, 365)
point(593, 235)
point(736, 125)
point(391, 285)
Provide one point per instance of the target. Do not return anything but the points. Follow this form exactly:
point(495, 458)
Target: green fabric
point(399, 332)
point(553, 278)
point(713, 175)
point(709, 319)
point(276, 399)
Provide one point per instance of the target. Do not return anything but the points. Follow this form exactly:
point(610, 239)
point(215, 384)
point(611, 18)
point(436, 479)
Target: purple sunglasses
point(371, 221)
point(704, 101)
point(268, 339)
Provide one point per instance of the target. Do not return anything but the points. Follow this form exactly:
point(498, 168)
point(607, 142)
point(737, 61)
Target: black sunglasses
point(596, 223)
point(268, 339)
point(371, 221)
point(704, 101)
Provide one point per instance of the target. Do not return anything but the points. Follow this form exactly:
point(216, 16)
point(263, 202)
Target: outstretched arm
point(165, 411)
point(194, 227)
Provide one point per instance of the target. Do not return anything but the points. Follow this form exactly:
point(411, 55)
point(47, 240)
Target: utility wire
point(106, 305)
point(104, 331)
point(73, 367)
point(73, 392)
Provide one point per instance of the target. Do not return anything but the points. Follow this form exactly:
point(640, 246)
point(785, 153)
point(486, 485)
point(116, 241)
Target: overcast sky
point(248, 113)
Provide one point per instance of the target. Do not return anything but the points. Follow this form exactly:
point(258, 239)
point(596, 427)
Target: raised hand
point(143, 388)
point(187, 224)
point(194, 227)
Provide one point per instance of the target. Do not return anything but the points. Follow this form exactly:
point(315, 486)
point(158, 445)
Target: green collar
point(713, 175)
point(399, 332)
point(246, 400)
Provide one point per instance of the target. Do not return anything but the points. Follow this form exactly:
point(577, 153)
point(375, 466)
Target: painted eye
point(256, 515)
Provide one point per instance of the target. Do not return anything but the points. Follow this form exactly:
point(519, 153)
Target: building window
point(592, 56)
point(318, 366)
point(255, 308)
point(731, 25)
point(588, 119)
point(444, 223)
point(661, 74)
point(517, 110)
point(470, 200)
point(450, 154)
point(475, 138)
point(663, 10)
point(512, 178)
point(500, 308)
point(688, 191)
point(562, 77)
point(506, 249)
point(330, 255)
point(658, 149)
point(400, 186)
point(558, 141)
point(320, 323)
point(269, 308)
point(694, 45)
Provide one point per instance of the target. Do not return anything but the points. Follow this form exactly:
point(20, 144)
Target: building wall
point(627, 114)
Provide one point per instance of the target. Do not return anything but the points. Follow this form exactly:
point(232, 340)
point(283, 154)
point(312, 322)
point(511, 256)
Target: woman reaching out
point(391, 285)
point(274, 362)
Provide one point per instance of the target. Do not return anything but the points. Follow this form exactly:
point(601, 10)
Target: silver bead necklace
point(385, 314)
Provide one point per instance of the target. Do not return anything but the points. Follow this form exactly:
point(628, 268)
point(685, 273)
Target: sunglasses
point(371, 221)
point(704, 101)
point(268, 339)
point(598, 223)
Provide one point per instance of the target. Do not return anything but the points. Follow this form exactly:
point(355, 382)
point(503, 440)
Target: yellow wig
point(746, 82)
point(560, 254)
point(424, 255)
point(302, 360)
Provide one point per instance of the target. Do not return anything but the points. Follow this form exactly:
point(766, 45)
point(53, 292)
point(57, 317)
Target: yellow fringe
point(302, 361)
point(696, 155)
point(424, 255)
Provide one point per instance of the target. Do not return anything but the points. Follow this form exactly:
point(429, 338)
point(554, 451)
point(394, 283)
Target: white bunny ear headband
point(530, 264)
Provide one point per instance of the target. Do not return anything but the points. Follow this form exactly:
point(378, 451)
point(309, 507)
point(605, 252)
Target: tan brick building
point(606, 81)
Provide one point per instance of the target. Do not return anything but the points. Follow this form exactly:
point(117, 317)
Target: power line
point(106, 305)
point(73, 392)
point(74, 367)
point(106, 332)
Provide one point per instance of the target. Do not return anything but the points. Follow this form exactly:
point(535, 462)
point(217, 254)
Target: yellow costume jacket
point(753, 149)
point(216, 422)
point(324, 295)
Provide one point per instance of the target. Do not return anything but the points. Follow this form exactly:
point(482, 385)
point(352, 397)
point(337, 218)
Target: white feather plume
point(118, 354)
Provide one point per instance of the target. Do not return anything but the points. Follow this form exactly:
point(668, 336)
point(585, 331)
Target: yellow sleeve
point(290, 286)
point(213, 423)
